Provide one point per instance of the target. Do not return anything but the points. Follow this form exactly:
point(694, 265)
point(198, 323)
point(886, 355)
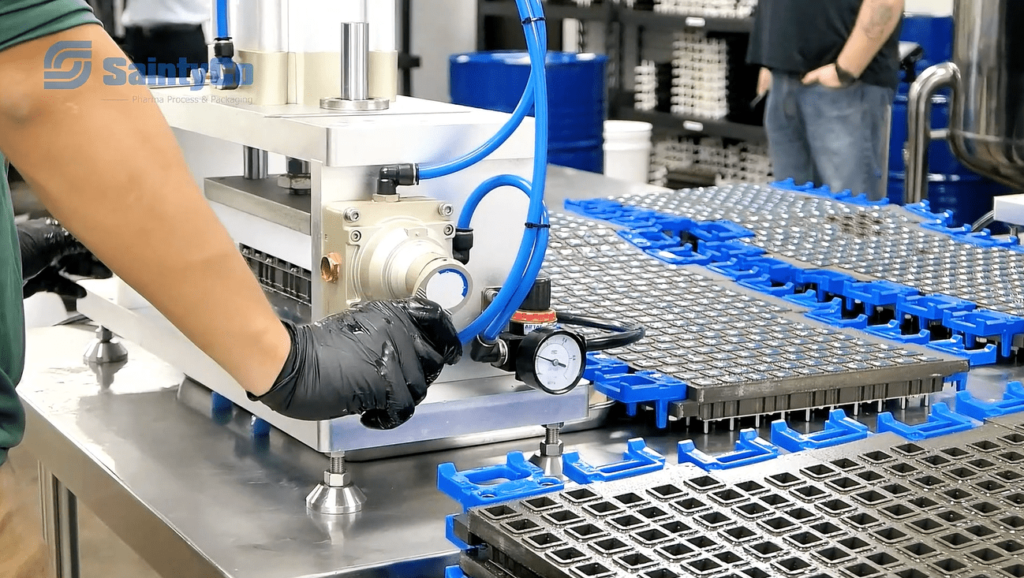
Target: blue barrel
point(576, 98)
point(968, 196)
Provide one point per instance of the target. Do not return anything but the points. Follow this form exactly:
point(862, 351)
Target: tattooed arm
point(875, 24)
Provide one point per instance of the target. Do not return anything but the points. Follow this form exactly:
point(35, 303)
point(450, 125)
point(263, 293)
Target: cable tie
point(529, 21)
point(537, 226)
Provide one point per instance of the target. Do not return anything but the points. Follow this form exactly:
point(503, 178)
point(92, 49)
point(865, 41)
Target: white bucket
point(627, 150)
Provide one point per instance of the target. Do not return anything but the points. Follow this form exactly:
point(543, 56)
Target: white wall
point(935, 7)
point(440, 28)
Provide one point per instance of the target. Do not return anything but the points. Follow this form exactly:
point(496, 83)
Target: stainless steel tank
point(986, 76)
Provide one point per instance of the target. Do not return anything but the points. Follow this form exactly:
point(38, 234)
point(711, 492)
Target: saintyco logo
point(68, 64)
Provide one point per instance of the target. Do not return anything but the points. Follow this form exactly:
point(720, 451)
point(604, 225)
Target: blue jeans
point(828, 136)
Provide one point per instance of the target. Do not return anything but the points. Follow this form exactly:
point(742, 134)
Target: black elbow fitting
point(393, 176)
point(462, 244)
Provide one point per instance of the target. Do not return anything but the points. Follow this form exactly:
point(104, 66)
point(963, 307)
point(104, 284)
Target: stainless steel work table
point(195, 495)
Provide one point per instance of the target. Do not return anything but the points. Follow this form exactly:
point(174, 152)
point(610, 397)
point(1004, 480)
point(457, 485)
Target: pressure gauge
point(551, 360)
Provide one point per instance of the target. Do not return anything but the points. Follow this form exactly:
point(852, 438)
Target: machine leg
point(337, 494)
point(105, 349)
point(60, 523)
point(549, 456)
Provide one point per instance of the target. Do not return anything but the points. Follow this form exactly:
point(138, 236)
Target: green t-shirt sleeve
point(24, 20)
point(21, 21)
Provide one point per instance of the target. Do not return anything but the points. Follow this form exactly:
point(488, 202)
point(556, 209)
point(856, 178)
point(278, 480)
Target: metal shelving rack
point(617, 19)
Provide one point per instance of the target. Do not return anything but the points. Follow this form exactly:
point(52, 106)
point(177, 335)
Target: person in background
point(165, 31)
point(831, 69)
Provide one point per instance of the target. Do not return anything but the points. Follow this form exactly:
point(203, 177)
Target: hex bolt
point(446, 210)
point(449, 230)
point(355, 236)
point(338, 464)
point(351, 214)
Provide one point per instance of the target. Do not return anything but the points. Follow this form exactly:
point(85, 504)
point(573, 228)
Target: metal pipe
point(919, 130)
point(355, 50)
point(255, 163)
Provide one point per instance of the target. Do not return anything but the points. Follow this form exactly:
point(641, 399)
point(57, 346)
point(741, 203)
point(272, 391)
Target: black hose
point(985, 220)
point(620, 336)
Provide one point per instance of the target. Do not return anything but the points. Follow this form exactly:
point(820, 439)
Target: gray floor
point(103, 555)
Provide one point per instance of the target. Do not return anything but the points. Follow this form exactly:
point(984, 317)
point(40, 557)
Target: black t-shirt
point(798, 36)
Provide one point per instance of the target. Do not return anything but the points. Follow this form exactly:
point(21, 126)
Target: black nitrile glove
point(49, 253)
point(376, 360)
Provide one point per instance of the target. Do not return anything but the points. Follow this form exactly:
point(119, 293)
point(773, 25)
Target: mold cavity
point(862, 569)
point(751, 487)
point(1016, 570)
point(702, 543)
point(1010, 546)
point(661, 573)
point(728, 496)
point(835, 506)
point(541, 503)
point(628, 499)
point(986, 508)
point(544, 540)
point(1012, 457)
point(986, 555)
point(602, 508)
point(826, 528)
point(923, 502)
point(981, 464)
point(675, 551)
point(956, 540)
point(704, 566)
point(626, 522)
point(986, 445)
point(579, 495)
point(936, 461)
point(853, 543)
point(846, 464)
point(634, 560)
point(955, 452)
point(1017, 499)
point(927, 524)
point(792, 565)
point(862, 520)
point(896, 490)
point(653, 513)
point(990, 486)
point(1009, 476)
point(675, 527)
point(666, 492)
point(818, 471)
point(715, 519)
point(949, 565)
point(521, 526)
point(871, 497)
point(562, 517)
point(833, 554)
point(610, 546)
point(898, 511)
point(876, 457)
point(652, 536)
point(775, 500)
point(592, 570)
point(728, 558)
point(950, 516)
point(740, 533)
point(499, 512)
point(568, 555)
point(778, 524)
point(891, 535)
point(957, 494)
point(800, 514)
point(919, 550)
point(805, 538)
point(1013, 522)
point(909, 449)
point(689, 505)
point(811, 492)
point(980, 531)
point(929, 481)
point(765, 549)
point(961, 473)
point(904, 469)
point(784, 480)
point(754, 509)
point(585, 532)
point(883, 559)
point(1014, 438)
point(704, 483)
point(912, 573)
point(870, 476)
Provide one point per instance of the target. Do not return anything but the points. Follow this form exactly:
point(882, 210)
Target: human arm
point(104, 162)
point(876, 22)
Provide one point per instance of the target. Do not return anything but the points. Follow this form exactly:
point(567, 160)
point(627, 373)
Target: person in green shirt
point(104, 162)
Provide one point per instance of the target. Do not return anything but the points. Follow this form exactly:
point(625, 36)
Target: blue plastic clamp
point(720, 231)
point(750, 449)
point(839, 430)
point(449, 532)
point(875, 293)
point(649, 238)
point(454, 572)
point(594, 208)
point(983, 323)
point(832, 314)
point(958, 380)
point(776, 278)
point(860, 200)
point(825, 283)
point(941, 421)
point(473, 488)
point(790, 185)
point(600, 366)
point(924, 209)
point(943, 227)
point(985, 239)
point(722, 251)
point(976, 357)
point(682, 255)
point(1012, 402)
point(894, 332)
point(929, 308)
point(637, 459)
point(644, 387)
